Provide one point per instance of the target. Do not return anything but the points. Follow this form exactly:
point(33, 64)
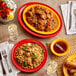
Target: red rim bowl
point(28, 41)
point(30, 31)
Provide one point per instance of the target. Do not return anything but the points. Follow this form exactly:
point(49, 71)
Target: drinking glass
point(13, 32)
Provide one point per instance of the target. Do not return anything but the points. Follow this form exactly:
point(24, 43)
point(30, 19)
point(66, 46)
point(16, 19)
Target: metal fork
point(75, 16)
point(5, 57)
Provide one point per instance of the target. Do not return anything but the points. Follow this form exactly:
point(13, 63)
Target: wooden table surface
point(23, 34)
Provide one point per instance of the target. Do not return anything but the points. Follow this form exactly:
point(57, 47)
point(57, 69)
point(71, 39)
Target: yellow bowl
point(53, 43)
point(35, 30)
point(70, 58)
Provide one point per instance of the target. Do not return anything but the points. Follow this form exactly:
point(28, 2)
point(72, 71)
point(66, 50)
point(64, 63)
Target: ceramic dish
point(28, 41)
point(30, 31)
point(53, 44)
point(70, 58)
point(32, 27)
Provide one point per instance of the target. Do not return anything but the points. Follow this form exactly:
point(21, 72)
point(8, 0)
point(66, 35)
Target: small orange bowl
point(56, 41)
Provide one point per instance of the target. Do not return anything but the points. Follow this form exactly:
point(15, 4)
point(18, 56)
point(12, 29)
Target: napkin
point(66, 11)
point(8, 47)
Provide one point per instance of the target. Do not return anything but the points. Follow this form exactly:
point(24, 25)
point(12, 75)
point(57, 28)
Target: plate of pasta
point(29, 55)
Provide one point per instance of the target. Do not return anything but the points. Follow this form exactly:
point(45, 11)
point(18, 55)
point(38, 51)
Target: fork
point(75, 16)
point(5, 57)
point(1, 69)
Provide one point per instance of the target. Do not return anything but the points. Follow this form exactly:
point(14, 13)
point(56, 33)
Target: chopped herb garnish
point(33, 45)
point(43, 57)
point(24, 67)
point(19, 59)
point(43, 50)
point(35, 64)
point(36, 44)
point(26, 64)
point(35, 56)
point(25, 47)
point(41, 53)
point(25, 53)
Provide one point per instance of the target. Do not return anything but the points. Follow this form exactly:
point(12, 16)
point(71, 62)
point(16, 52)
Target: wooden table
point(23, 34)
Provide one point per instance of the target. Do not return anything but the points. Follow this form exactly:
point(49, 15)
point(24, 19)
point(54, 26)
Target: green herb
point(33, 45)
point(19, 59)
point(25, 53)
point(43, 50)
point(25, 47)
point(35, 64)
point(35, 56)
point(36, 44)
point(26, 64)
point(24, 67)
point(41, 53)
point(43, 57)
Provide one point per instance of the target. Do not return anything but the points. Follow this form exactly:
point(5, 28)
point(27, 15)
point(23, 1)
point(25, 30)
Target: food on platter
point(41, 19)
point(69, 67)
point(29, 55)
point(72, 70)
point(59, 47)
point(7, 9)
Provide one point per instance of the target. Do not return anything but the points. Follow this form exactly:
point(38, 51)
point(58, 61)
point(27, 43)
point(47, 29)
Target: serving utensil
point(75, 16)
point(5, 57)
point(2, 70)
point(70, 16)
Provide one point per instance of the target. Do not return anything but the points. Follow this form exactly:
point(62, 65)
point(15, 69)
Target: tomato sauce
point(60, 47)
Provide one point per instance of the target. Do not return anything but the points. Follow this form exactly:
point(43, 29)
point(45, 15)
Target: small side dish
point(7, 9)
point(29, 55)
point(41, 19)
point(69, 66)
point(59, 47)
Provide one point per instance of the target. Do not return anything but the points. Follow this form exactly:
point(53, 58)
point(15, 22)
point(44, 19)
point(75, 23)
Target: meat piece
point(29, 60)
point(43, 16)
point(47, 28)
point(51, 14)
point(47, 11)
point(54, 20)
point(21, 52)
point(29, 13)
point(31, 20)
point(48, 16)
point(28, 54)
point(38, 12)
point(32, 10)
point(40, 27)
point(41, 22)
point(37, 7)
